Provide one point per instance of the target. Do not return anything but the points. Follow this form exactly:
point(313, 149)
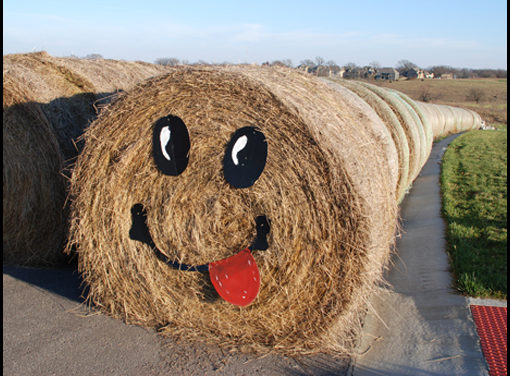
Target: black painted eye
point(170, 145)
point(245, 157)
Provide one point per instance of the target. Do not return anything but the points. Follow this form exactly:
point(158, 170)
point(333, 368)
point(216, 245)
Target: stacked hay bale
point(327, 189)
point(33, 188)
point(48, 102)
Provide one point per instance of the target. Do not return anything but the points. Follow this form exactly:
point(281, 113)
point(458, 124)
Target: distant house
point(368, 72)
point(447, 76)
point(428, 74)
point(390, 74)
point(304, 67)
point(336, 72)
point(352, 73)
point(413, 73)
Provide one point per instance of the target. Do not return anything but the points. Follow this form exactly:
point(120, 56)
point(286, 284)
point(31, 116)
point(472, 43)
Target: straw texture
point(327, 190)
point(48, 102)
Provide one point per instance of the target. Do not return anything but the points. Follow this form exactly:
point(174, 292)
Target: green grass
point(474, 188)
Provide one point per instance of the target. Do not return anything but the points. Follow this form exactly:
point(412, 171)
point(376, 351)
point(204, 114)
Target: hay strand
point(326, 189)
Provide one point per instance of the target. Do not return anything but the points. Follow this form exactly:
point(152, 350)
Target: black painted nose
point(263, 228)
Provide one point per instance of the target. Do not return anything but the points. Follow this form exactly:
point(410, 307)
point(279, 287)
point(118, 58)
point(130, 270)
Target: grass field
point(491, 94)
point(474, 187)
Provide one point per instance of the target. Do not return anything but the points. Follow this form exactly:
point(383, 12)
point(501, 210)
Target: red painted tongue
point(236, 278)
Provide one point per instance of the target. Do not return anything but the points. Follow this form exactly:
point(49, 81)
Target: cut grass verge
point(474, 189)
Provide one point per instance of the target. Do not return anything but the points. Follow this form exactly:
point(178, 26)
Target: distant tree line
point(322, 67)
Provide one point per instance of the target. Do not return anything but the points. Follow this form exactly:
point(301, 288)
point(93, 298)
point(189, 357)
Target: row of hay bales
point(413, 125)
point(340, 157)
point(330, 188)
point(47, 104)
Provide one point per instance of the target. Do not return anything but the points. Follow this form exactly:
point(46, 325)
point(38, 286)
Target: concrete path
point(47, 331)
point(418, 325)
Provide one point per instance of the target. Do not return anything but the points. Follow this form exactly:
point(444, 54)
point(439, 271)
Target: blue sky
point(465, 33)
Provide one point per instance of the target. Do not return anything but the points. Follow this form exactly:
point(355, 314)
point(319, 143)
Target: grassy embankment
point(473, 183)
point(474, 187)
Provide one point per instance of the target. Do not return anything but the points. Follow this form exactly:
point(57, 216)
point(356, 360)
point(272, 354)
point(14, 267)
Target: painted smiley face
point(235, 278)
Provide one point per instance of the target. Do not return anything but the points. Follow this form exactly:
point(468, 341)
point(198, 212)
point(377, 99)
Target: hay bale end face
point(48, 102)
point(325, 189)
point(33, 189)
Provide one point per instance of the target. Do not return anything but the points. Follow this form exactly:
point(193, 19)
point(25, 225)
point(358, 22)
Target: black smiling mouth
point(140, 231)
point(235, 278)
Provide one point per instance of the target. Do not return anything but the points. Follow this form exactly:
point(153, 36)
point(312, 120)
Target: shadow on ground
point(64, 282)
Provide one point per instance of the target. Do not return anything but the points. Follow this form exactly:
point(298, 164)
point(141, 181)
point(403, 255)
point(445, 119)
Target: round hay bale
point(377, 129)
point(108, 76)
point(449, 116)
point(391, 121)
point(33, 189)
point(68, 88)
point(467, 121)
point(48, 101)
point(410, 128)
point(65, 97)
point(325, 189)
point(457, 117)
point(442, 121)
point(477, 120)
point(423, 125)
point(433, 116)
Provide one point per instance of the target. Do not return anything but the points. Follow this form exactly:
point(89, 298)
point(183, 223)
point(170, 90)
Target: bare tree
point(283, 63)
point(287, 62)
point(307, 62)
point(319, 61)
point(475, 94)
point(404, 65)
point(375, 64)
point(168, 61)
point(425, 94)
point(350, 66)
point(93, 57)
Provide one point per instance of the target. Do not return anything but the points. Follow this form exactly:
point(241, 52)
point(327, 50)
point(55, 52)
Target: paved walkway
point(46, 331)
point(421, 327)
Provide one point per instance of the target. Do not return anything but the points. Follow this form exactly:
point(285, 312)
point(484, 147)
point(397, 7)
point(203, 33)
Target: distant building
point(447, 76)
point(304, 67)
point(337, 72)
point(390, 74)
point(413, 73)
point(352, 73)
point(428, 74)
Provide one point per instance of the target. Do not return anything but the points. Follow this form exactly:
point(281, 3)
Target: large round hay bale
point(47, 105)
point(416, 152)
point(33, 189)
point(433, 116)
point(65, 97)
point(109, 75)
point(326, 190)
point(392, 123)
point(449, 116)
point(424, 127)
point(477, 123)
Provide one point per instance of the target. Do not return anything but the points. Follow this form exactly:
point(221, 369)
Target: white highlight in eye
point(238, 146)
point(164, 137)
